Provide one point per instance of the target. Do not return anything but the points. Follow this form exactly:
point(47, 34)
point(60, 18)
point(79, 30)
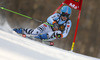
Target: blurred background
point(88, 35)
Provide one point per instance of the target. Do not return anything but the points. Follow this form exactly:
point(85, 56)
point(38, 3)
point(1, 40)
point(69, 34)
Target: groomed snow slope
point(14, 47)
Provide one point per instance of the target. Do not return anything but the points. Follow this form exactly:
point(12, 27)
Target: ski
point(47, 42)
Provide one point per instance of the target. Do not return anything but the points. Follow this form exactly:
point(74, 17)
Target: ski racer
point(57, 26)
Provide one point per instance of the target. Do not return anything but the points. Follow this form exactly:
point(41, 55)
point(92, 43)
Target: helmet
point(66, 11)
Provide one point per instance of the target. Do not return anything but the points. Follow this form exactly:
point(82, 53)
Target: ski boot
point(18, 30)
point(41, 36)
point(50, 43)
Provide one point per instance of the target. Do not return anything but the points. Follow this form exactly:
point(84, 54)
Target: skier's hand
point(58, 34)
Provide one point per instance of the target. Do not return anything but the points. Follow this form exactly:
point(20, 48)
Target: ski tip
point(23, 35)
point(51, 43)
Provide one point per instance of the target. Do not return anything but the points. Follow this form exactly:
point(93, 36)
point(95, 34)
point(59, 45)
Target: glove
point(43, 36)
point(58, 34)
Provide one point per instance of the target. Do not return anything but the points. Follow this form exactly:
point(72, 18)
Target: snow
point(14, 47)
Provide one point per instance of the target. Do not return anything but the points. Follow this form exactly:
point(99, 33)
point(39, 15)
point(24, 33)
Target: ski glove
point(58, 34)
point(41, 36)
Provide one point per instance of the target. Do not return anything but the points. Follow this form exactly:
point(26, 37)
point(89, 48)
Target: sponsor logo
point(45, 25)
point(73, 6)
point(68, 26)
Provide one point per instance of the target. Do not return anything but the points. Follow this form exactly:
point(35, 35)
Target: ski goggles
point(65, 14)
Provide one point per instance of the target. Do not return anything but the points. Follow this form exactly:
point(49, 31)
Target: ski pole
point(20, 14)
point(15, 12)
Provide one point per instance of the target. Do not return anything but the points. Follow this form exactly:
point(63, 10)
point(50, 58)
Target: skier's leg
point(23, 30)
point(54, 35)
point(48, 36)
point(40, 29)
point(51, 36)
point(31, 31)
point(45, 29)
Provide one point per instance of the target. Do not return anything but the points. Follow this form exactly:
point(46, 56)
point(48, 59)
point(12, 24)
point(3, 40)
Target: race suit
point(47, 27)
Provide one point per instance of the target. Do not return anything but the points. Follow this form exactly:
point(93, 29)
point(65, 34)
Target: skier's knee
point(36, 32)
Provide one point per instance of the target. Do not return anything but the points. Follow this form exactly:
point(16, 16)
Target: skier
point(57, 26)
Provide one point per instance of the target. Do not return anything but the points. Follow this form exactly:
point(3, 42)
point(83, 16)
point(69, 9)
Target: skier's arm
point(53, 18)
point(67, 29)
